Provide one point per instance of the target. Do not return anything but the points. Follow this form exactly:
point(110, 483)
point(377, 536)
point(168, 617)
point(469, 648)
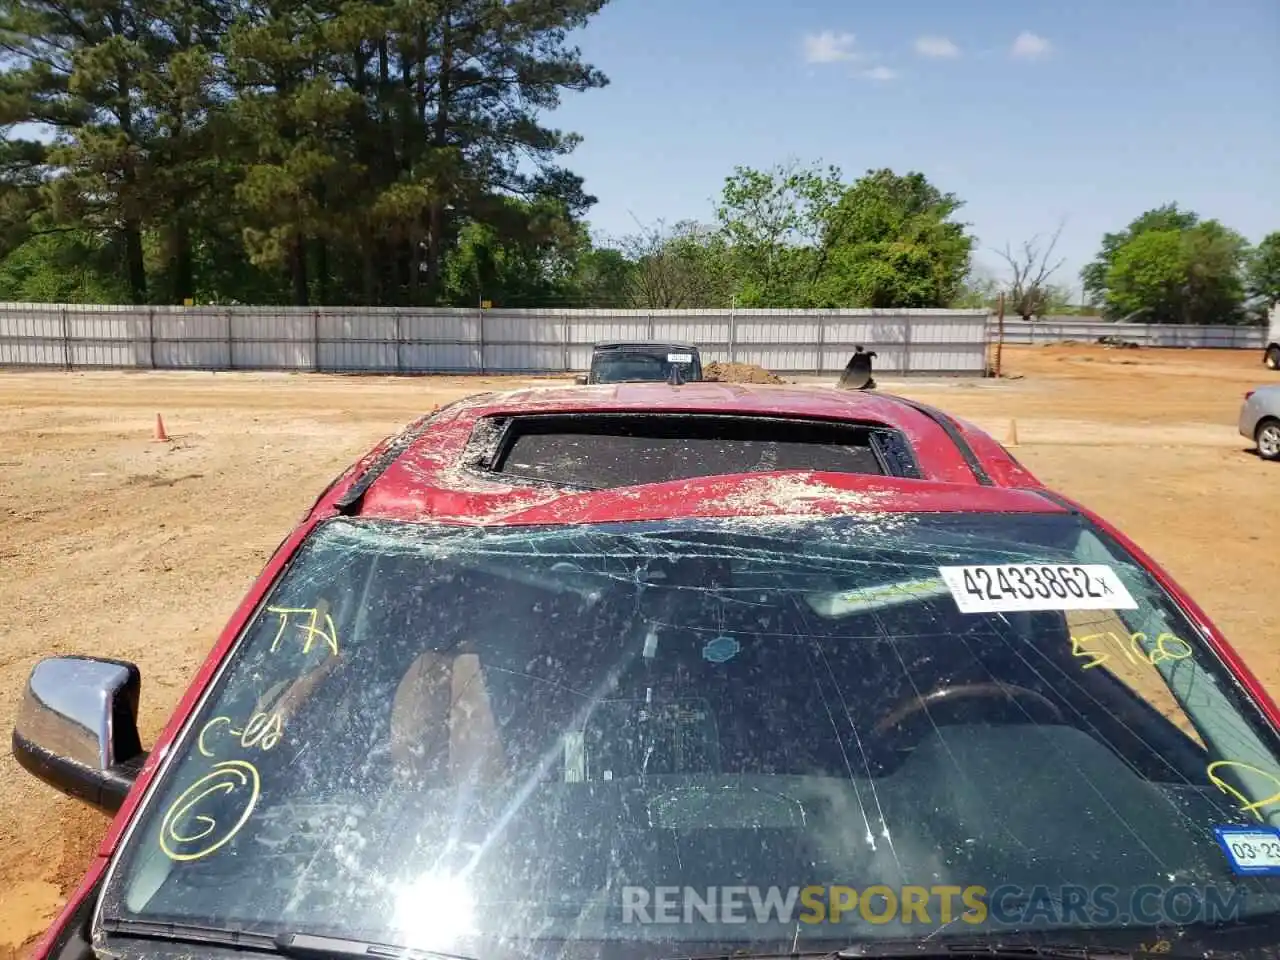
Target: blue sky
point(1031, 112)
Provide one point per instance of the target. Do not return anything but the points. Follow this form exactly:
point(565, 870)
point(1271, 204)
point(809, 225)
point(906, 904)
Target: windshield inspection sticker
point(679, 358)
point(1010, 587)
point(1251, 850)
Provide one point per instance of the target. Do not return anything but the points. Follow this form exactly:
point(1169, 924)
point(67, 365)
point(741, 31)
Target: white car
point(1260, 420)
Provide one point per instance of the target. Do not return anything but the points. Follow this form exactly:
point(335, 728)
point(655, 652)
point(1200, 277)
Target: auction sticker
point(1009, 587)
point(679, 358)
point(1251, 850)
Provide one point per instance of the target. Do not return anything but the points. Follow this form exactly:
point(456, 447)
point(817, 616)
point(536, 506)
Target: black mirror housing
point(77, 728)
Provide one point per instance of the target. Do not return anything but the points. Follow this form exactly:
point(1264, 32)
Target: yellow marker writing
point(1246, 805)
point(312, 627)
point(1166, 647)
point(264, 730)
point(183, 827)
point(1169, 647)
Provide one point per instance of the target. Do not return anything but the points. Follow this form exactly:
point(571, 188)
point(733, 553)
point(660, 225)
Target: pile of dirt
point(739, 373)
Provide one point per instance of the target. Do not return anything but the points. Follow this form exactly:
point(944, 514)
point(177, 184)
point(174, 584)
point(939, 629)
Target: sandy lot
point(113, 544)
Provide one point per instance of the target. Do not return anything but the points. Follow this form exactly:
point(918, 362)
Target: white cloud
point(880, 74)
point(1029, 46)
point(936, 47)
point(828, 47)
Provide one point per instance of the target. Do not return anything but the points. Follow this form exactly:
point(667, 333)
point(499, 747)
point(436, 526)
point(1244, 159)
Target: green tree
point(1171, 267)
point(21, 173)
point(1167, 217)
point(891, 241)
point(1264, 271)
point(63, 266)
point(604, 277)
point(526, 255)
point(77, 67)
point(799, 237)
point(331, 150)
point(774, 222)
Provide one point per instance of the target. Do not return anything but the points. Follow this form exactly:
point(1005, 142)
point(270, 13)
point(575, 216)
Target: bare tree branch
point(670, 273)
point(1028, 292)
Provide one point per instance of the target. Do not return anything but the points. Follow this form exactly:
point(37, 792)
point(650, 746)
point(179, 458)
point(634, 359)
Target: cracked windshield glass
point(737, 733)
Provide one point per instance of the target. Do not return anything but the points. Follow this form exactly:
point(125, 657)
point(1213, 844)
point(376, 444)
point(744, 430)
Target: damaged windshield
point(744, 731)
point(635, 365)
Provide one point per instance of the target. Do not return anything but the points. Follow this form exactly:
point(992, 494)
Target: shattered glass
point(449, 733)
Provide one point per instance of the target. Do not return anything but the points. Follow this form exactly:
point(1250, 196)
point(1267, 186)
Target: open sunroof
point(601, 451)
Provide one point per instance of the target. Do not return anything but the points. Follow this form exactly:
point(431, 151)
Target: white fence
point(387, 340)
point(1089, 329)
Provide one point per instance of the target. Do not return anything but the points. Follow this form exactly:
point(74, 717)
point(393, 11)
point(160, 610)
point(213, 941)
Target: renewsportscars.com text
point(1006, 905)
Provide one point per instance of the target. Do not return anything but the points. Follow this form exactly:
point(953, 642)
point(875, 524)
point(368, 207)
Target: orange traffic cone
point(161, 436)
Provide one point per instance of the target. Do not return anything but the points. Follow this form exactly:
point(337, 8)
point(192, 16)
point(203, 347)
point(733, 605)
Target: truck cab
point(642, 361)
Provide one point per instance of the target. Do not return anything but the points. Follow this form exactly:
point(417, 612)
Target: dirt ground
point(116, 545)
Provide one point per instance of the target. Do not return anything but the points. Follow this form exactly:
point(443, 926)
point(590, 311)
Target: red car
point(651, 670)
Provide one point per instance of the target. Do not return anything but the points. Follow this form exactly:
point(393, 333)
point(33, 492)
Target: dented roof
point(420, 475)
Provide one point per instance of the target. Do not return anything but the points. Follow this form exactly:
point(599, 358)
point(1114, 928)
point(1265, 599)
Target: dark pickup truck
point(637, 362)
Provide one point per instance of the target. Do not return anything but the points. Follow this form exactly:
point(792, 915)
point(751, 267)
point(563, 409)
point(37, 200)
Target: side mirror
point(580, 380)
point(77, 728)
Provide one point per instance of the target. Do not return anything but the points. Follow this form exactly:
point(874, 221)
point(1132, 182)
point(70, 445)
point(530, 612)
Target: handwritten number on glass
point(1135, 648)
point(314, 625)
point(264, 731)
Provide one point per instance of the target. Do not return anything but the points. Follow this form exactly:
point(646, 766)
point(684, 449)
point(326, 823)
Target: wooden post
point(999, 334)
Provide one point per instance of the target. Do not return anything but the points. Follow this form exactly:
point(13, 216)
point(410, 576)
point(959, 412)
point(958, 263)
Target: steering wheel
point(948, 694)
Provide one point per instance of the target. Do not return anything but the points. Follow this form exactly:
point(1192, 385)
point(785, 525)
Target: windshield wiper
point(308, 945)
point(301, 945)
point(191, 933)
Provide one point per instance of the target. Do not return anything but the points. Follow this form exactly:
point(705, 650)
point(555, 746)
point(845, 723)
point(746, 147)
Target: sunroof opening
point(600, 451)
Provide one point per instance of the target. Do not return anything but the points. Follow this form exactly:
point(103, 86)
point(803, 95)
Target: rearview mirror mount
point(77, 728)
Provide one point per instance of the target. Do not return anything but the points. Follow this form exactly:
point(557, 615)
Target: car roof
point(419, 475)
point(643, 345)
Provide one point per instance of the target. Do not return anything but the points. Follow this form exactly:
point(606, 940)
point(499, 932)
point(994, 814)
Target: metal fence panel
point(592, 327)
point(698, 327)
point(472, 340)
point(1090, 329)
